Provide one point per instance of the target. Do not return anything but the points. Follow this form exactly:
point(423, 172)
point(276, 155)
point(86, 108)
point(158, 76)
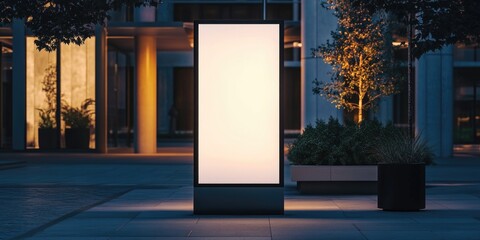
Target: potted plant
point(401, 172)
point(336, 158)
point(47, 134)
point(78, 121)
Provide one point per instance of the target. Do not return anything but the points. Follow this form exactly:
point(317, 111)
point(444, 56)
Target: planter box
point(401, 187)
point(335, 179)
point(47, 138)
point(77, 138)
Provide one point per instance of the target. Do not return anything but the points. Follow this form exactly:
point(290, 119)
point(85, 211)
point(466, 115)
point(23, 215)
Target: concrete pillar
point(145, 86)
point(165, 98)
point(101, 90)
point(165, 11)
point(434, 100)
point(316, 25)
point(384, 112)
point(145, 91)
point(19, 85)
point(144, 14)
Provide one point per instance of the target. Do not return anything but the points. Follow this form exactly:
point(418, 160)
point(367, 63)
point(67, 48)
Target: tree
point(359, 59)
point(62, 21)
point(431, 25)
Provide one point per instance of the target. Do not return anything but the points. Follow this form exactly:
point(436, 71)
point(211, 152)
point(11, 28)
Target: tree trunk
point(360, 110)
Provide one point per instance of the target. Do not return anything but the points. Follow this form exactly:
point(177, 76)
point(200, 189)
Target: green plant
point(78, 117)
point(331, 143)
point(49, 86)
point(400, 148)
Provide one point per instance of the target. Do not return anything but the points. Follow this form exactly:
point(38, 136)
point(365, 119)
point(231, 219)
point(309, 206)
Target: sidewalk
point(91, 196)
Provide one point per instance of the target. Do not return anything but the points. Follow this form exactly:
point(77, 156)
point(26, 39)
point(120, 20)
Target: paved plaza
point(127, 196)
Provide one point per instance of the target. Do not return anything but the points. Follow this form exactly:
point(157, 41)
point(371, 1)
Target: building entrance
point(467, 106)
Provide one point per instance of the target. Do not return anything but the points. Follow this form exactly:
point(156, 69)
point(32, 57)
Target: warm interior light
point(397, 44)
point(238, 104)
point(77, 80)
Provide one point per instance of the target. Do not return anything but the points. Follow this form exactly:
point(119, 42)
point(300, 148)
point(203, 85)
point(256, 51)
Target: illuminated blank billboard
point(239, 136)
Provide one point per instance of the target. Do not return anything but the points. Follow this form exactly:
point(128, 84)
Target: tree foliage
point(432, 24)
point(436, 22)
point(359, 58)
point(62, 21)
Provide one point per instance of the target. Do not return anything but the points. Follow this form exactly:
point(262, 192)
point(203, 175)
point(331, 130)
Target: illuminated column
point(145, 100)
point(316, 25)
point(145, 86)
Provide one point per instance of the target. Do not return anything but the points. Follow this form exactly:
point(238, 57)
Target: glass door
point(6, 52)
point(467, 106)
point(63, 78)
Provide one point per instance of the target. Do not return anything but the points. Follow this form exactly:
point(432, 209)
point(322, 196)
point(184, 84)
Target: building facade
point(139, 71)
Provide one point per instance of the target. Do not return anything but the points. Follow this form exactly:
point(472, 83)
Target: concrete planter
point(335, 179)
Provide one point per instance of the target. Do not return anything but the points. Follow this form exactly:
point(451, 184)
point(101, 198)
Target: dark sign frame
point(281, 102)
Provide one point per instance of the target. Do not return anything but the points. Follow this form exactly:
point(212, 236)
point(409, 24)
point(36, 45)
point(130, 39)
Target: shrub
point(399, 148)
point(331, 143)
point(78, 117)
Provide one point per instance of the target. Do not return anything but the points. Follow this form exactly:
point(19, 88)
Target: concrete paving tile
point(399, 235)
point(156, 228)
point(142, 194)
point(374, 214)
point(157, 214)
point(450, 197)
point(354, 197)
point(352, 204)
point(232, 227)
point(146, 201)
point(125, 207)
point(461, 204)
point(67, 238)
point(433, 205)
point(178, 205)
point(106, 214)
point(451, 213)
point(475, 226)
point(404, 220)
point(190, 238)
point(181, 195)
point(307, 214)
point(458, 235)
point(84, 227)
point(447, 220)
point(309, 204)
point(391, 227)
point(320, 235)
point(306, 227)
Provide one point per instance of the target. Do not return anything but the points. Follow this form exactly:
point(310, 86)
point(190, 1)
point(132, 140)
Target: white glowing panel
point(238, 103)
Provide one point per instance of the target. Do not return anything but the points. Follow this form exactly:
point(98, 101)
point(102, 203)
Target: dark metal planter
point(47, 138)
point(401, 187)
point(77, 138)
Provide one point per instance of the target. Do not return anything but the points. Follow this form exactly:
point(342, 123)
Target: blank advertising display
point(239, 130)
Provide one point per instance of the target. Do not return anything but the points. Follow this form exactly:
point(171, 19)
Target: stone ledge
point(335, 179)
point(333, 173)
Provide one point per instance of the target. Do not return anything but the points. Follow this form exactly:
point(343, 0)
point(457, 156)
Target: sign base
point(238, 200)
